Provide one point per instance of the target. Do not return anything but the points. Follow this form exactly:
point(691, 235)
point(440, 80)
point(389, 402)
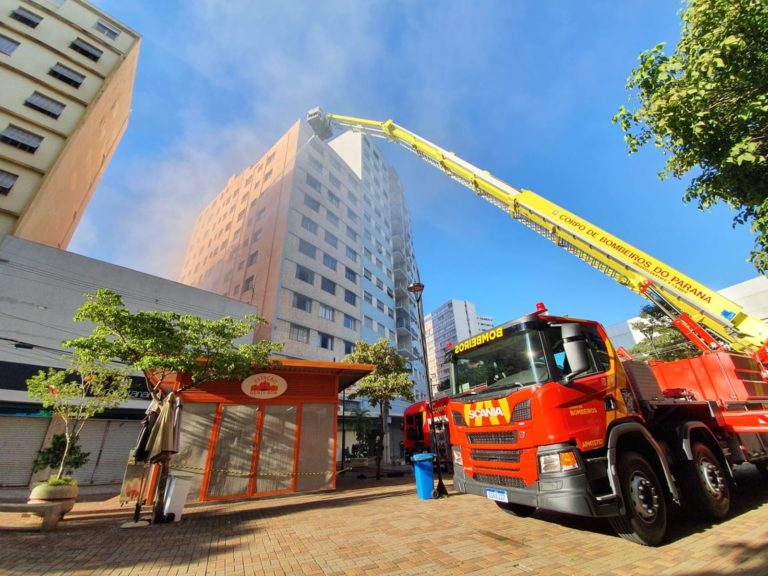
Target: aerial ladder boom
point(708, 319)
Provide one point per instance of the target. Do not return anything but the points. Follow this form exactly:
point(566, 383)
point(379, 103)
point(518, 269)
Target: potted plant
point(59, 487)
point(88, 387)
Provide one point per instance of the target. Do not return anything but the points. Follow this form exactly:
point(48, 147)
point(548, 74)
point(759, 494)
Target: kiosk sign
point(264, 386)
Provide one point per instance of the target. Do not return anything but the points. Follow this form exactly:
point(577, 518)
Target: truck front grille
point(492, 437)
point(512, 456)
point(498, 480)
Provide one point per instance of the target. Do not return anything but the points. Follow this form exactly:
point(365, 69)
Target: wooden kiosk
point(271, 433)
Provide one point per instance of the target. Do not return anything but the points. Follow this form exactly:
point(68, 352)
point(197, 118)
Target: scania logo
point(486, 412)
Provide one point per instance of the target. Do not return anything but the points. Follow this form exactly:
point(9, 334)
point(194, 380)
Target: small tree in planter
point(88, 387)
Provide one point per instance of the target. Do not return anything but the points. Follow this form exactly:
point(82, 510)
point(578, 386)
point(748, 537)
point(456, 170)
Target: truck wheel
point(708, 485)
point(645, 519)
point(519, 510)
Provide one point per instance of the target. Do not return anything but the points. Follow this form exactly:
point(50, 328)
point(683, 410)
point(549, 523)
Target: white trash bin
point(176, 494)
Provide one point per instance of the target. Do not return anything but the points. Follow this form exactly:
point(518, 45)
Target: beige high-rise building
point(66, 78)
point(317, 236)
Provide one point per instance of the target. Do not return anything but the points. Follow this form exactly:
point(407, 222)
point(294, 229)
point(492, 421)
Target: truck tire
point(645, 520)
point(519, 510)
point(762, 467)
point(707, 484)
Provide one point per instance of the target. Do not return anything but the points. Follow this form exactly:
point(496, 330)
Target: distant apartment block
point(446, 326)
point(317, 236)
point(67, 71)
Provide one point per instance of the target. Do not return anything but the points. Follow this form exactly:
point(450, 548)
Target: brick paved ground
point(369, 527)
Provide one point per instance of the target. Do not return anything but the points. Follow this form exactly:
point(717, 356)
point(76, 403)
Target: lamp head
point(415, 288)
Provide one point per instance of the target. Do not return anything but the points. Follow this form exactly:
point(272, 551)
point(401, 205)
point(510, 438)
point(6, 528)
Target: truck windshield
point(514, 361)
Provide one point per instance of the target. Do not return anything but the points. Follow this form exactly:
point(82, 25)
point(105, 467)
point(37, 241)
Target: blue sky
point(523, 89)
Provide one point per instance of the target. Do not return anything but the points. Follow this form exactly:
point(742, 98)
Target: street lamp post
point(417, 288)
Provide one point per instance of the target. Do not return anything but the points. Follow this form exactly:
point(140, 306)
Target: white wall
point(42, 287)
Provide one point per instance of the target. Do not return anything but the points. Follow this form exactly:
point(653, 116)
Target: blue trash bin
point(422, 464)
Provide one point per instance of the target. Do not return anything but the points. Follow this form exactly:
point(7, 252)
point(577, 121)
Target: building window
point(47, 106)
point(26, 17)
point(316, 164)
point(7, 180)
point(330, 261)
point(298, 333)
point(325, 340)
point(350, 297)
point(311, 203)
point(335, 200)
point(7, 46)
point(307, 249)
point(308, 224)
point(87, 50)
point(335, 181)
point(368, 274)
point(20, 138)
point(332, 217)
point(248, 284)
point(326, 312)
point(305, 274)
point(368, 322)
point(351, 254)
point(313, 183)
point(328, 285)
point(269, 173)
point(253, 257)
point(67, 75)
point(350, 274)
point(352, 215)
point(351, 234)
point(349, 347)
point(302, 302)
point(380, 305)
point(107, 29)
point(368, 297)
point(350, 322)
point(331, 239)
point(261, 213)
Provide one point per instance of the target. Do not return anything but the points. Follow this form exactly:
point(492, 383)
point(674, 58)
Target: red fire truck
point(544, 413)
point(416, 432)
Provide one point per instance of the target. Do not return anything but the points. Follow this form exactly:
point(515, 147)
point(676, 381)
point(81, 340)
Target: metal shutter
point(20, 439)
point(108, 442)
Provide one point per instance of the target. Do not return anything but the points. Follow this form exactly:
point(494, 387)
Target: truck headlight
point(558, 462)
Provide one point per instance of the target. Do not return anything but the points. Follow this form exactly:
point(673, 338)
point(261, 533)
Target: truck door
point(586, 401)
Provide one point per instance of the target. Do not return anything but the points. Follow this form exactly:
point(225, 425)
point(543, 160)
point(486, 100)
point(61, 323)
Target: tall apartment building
point(66, 71)
point(454, 321)
point(317, 236)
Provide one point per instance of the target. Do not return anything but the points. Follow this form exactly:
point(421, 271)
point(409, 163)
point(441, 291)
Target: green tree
point(160, 343)
point(388, 381)
point(706, 107)
point(91, 385)
point(662, 340)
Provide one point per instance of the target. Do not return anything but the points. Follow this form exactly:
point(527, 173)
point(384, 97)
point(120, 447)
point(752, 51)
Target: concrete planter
point(66, 494)
point(358, 462)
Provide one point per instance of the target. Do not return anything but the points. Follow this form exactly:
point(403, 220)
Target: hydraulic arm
point(708, 319)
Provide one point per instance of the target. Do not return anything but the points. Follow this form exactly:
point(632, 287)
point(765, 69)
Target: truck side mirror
point(575, 346)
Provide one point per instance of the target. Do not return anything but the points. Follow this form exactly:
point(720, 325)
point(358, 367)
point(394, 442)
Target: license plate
point(497, 495)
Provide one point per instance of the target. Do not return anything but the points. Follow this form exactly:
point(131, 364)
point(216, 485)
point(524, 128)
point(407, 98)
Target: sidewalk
point(380, 527)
